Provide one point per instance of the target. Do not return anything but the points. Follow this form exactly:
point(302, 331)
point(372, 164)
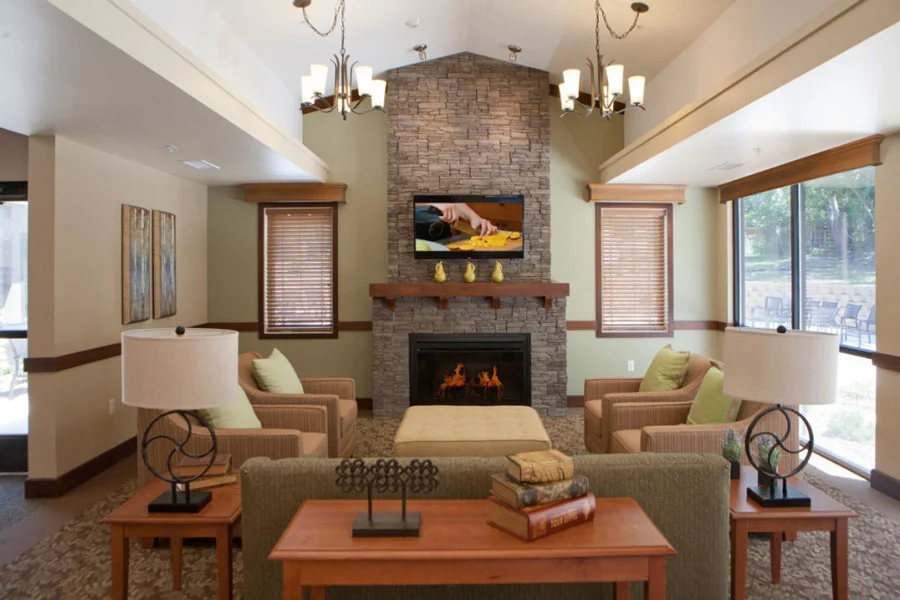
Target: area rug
point(74, 563)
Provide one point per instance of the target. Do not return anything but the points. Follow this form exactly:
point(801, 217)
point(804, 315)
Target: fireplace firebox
point(470, 369)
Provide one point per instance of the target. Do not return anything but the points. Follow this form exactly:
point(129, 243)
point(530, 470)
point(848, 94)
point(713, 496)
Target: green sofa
point(686, 495)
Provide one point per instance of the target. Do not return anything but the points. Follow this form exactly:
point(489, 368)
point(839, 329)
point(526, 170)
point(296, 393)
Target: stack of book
point(219, 472)
point(539, 494)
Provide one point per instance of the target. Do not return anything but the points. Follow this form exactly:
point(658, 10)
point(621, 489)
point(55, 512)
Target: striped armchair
point(662, 427)
point(336, 394)
point(288, 432)
point(601, 394)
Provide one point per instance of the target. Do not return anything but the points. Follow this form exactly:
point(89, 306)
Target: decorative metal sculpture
point(387, 476)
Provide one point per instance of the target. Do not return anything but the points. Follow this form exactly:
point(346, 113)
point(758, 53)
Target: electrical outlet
point(112, 406)
point(630, 366)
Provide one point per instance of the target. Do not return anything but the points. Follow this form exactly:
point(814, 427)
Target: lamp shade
point(364, 80)
point(379, 88)
point(615, 76)
point(636, 89)
point(572, 79)
point(166, 371)
point(794, 368)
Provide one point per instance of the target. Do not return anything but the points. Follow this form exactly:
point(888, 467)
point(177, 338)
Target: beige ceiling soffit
point(295, 192)
point(631, 193)
point(124, 25)
point(839, 28)
point(865, 152)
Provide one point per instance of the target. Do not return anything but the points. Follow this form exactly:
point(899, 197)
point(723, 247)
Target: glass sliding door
point(765, 261)
point(13, 317)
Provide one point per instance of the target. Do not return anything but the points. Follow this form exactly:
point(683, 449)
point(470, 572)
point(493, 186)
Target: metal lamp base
point(182, 502)
point(777, 496)
point(387, 524)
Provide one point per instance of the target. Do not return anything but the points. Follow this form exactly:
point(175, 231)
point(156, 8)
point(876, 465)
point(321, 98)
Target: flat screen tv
point(455, 226)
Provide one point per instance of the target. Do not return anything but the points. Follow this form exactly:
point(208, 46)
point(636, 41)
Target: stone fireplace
point(470, 369)
point(467, 124)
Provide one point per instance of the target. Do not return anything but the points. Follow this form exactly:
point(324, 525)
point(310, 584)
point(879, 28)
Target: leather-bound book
point(541, 466)
point(533, 523)
point(523, 495)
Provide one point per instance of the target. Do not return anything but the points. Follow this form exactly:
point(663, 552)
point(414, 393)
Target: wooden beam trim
point(861, 153)
point(295, 192)
point(50, 487)
point(631, 193)
point(55, 364)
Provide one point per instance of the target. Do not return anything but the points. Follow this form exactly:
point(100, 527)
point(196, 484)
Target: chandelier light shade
point(312, 94)
point(607, 79)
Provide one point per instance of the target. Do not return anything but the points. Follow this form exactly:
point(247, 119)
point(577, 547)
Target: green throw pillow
point(667, 371)
point(276, 374)
point(711, 405)
point(237, 415)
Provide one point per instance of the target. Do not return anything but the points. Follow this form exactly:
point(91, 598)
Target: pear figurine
point(440, 275)
point(497, 275)
point(469, 275)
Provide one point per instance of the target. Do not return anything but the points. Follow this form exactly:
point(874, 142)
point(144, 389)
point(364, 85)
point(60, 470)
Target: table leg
point(775, 551)
point(740, 529)
point(839, 543)
point(223, 561)
point(655, 586)
point(119, 547)
point(290, 582)
point(317, 593)
point(176, 544)
point(622, 590)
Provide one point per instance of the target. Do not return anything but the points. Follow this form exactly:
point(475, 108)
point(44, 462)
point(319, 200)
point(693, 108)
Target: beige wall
point(356, 154)
point(577, 146)
point(75, 198)
point(887, 249)
point(13, 156)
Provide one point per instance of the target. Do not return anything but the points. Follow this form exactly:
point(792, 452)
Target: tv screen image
point(469, 226)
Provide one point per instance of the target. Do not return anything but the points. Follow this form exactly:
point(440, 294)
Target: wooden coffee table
point(458, 547)
point(825, 514)
point(216, 520)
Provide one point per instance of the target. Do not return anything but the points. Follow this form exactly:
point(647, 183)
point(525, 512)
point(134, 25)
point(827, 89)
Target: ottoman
point(485, 431)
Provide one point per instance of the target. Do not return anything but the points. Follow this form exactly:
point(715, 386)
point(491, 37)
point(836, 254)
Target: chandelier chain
point(338, 11)
point(613, 34)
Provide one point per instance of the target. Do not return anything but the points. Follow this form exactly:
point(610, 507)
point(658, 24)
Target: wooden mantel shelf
point(442, 291)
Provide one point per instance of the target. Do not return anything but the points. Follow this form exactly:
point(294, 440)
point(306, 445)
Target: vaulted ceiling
point(554, 35)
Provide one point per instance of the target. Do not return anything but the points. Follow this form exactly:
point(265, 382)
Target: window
point(634, 270)
point(13, 317)
point(805, 258)
point(298, 270)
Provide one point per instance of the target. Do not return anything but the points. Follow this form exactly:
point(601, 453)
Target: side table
point(825, 514)
point(216, 520)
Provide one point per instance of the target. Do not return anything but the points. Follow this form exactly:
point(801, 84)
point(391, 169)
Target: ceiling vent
point(201, 165)
point(727, 166)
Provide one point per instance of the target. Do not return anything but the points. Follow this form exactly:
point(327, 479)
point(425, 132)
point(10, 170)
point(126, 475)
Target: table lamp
point(179, 371)
point(780, 367)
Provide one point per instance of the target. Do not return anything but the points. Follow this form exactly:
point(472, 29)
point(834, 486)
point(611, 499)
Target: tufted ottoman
point(469, 431)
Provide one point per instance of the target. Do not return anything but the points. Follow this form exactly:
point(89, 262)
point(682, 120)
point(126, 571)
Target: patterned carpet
point(74, 563)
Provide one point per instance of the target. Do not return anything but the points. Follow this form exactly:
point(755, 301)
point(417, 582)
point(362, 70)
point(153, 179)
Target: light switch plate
point(630, 366)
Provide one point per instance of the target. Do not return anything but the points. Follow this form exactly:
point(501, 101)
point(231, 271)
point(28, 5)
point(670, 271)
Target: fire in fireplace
point(466, 369)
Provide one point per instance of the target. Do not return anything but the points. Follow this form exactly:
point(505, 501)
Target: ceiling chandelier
point(607, 84)
point(313, 85)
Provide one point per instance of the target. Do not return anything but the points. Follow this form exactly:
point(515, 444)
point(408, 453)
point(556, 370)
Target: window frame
point(16, 334)
point(262, 251)
point(670, 270)
point(797, 279)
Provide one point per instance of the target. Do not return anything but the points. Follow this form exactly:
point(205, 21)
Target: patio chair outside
point(850, 320)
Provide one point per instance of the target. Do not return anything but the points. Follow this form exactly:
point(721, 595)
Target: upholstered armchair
point(661, 427)
point(601, 394)
point(336, 394)
point(288, 432)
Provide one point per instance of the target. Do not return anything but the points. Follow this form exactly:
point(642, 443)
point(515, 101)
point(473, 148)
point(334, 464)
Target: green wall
point(356, 152)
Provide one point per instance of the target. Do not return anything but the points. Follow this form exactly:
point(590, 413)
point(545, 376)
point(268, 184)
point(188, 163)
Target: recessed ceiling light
point(201, 165)
point(170, 148)
point(726, 166)
point(414, 22)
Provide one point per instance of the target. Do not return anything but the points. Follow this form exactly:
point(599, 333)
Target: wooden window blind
point(298, 270)
point(634, 270)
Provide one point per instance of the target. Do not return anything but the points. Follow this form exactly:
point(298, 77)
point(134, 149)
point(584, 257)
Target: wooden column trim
point(865, 152)
point(295, 192)
point(889, 362)
point(635, 193)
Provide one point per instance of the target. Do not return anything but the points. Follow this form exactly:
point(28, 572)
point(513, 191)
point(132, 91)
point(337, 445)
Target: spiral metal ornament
point(779, 442)
point(179, 447)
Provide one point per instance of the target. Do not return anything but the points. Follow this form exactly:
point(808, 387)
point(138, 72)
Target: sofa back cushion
point(245, 370)
point(276, 374)
point(669, 487)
